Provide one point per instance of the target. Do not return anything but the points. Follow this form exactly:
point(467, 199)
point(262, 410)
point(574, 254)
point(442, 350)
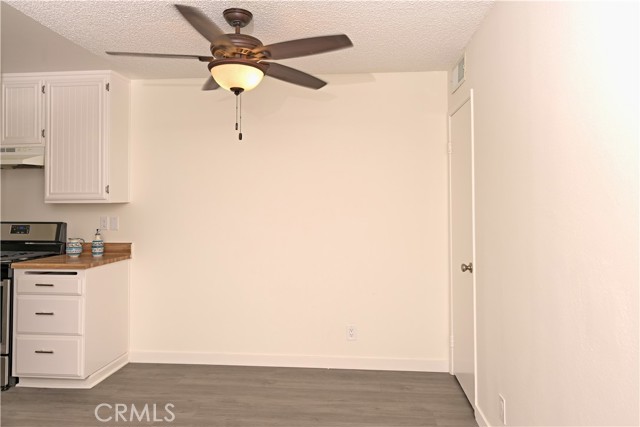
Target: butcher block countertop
point(113, 252)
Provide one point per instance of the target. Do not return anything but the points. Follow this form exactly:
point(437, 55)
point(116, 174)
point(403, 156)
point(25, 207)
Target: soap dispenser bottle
point(97, 245)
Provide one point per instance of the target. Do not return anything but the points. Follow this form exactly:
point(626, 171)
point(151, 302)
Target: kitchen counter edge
point(113, 252)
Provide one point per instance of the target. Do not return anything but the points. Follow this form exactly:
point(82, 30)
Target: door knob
point(466, 268)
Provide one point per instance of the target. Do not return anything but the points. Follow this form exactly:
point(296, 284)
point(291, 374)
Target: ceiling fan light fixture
point(233, 74)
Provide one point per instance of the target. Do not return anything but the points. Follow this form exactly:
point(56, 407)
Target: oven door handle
point(5, 326)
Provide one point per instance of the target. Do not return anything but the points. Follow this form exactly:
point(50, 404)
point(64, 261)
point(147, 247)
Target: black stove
point(7, 257)
point(21, 241)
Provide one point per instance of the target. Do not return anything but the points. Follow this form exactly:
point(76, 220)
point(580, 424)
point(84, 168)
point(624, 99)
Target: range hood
point(21, 157)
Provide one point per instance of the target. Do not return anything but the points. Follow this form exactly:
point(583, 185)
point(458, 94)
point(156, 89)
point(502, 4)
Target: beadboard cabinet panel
point(22, 118)
point(76, 143)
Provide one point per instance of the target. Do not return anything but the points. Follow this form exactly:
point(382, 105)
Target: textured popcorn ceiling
point(389, 36)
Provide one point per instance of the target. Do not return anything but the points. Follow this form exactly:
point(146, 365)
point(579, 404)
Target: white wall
point(556, 139)
point(47, 50)
point(331, 211)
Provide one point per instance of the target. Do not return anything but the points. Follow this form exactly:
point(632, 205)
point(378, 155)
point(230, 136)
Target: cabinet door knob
point(466, 268)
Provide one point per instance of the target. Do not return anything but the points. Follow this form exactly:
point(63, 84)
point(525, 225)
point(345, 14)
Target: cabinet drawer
point(68, 284)
point(44, 356)
point(48, 315)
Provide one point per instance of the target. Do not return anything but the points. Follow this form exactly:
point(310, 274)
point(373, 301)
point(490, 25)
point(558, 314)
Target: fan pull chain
point(238, 92)
point(239, 115)
point(240, 120)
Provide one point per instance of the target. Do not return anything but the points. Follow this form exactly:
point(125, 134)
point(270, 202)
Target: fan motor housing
point(243, 44)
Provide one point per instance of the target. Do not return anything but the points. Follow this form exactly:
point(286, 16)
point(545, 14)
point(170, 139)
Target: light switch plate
point(114, 223)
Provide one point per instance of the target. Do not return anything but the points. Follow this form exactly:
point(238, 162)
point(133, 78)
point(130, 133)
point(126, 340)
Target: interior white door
point(462, 283)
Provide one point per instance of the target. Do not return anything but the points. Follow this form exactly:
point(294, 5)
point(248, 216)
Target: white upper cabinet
point(87, 134)
point(83, 120)
point(22, 118)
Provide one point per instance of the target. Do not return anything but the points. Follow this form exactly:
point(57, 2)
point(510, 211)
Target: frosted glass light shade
point(232, 75)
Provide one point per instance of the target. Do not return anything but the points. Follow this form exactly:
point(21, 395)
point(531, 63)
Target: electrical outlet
point(503, 409)
point(104, 223)
point(352, 333)
point(114, 223)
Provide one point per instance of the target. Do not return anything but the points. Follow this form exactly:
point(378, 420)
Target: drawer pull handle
point(44, 284)
point(44, 313)
point(44, 351)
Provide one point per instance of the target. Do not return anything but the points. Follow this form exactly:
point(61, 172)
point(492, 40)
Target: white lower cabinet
point(71, 327)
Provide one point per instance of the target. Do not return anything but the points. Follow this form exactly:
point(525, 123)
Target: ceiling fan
point(240, 61)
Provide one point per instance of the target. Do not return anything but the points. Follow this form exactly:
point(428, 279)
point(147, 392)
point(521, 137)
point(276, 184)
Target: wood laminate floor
point(235, 396)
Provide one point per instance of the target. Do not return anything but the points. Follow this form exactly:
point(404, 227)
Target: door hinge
point(43, 133)
point(107, 87)
point(42, 88)
point(449, 147)
point(106, 189)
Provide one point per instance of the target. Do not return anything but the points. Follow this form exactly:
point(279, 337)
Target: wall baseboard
point(290, 361)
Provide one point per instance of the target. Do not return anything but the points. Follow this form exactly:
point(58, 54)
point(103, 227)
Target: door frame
point(469, 99)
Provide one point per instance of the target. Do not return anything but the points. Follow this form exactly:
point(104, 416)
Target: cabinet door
point(22, 101)
point(76, 160)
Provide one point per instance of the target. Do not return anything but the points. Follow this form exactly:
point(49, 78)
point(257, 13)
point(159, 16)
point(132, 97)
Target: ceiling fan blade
point(304, 47)
point(210, 84)
point(203, 25)
point(162, 55)
point(291, 75)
